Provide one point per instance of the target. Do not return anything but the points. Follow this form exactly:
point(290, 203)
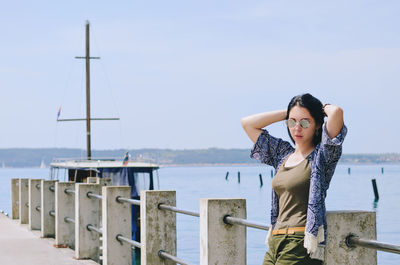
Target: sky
point(181, 74)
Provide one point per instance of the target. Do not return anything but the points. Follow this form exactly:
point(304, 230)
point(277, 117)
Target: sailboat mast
point(88, 119)
point(88, 139)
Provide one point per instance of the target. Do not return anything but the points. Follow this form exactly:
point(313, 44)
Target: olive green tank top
point(292, 185)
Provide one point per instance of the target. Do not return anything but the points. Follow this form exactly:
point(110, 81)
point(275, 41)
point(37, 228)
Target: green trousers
point(288, 250)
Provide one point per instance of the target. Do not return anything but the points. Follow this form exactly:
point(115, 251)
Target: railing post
point(158, 227)
point(222, 243)
point(23, 201)
point(91, 180)
point(14, 198)
point(34, 202)
point(47, 204)
point(87, 210)
point(65, 207)
point(116, 221)
point(340, 225)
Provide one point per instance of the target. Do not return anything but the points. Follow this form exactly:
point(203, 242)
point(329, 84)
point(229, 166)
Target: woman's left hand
point(335, 121)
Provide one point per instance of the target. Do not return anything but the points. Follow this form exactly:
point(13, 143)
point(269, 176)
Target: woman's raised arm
point(253, 124)
point(335, 122)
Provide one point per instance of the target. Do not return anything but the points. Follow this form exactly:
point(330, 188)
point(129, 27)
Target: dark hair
point(314, 106)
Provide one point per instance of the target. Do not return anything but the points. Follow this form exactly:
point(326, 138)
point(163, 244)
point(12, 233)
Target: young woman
point(303, 174)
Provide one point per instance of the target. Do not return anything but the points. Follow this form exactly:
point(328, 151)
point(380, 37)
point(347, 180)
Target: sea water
point(347, 192)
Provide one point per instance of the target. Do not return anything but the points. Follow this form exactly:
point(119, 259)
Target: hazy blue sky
point(181, 74)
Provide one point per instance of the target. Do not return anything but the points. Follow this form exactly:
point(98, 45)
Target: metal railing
point(94, 195)
point(95, 229)
point(134, 243)
point(69, 220)
point(130, 201)
point(69, 191)
point(240, 221)
point(176, 210)
point(227, 218)
point(164, 255)
point(353, 241)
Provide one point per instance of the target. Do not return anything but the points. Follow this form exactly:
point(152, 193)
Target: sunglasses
point(304, 123)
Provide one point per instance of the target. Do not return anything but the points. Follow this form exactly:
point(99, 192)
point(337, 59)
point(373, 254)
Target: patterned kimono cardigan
point(273, 151)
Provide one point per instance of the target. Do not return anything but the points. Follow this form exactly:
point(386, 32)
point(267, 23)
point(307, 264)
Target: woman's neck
point(303, 150)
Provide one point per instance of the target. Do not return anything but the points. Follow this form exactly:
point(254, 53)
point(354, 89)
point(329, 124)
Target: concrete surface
point(23, 201)
point(158, 227)
point(221, 243)
point(116, 221)
point(65, 207)
point(340, 225)
point(34, 201)
point(15, 198)
point(86, 212)
point(19, 246)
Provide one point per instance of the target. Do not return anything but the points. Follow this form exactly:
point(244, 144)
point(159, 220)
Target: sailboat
point(119, 172)
point(42, 164)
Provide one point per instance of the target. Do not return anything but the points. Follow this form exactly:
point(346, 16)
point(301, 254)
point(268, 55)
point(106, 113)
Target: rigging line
point(108, 83)
point(67, 84)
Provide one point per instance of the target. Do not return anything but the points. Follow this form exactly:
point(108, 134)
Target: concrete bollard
point(65, 207)
point(91, 180)
point(87, 210)
point(47, 204)
point(340, 225)
point(158, 227)
point(23, 201)
point(116, 221)
point(14, 198)
point(221, 243)
point(34, 202)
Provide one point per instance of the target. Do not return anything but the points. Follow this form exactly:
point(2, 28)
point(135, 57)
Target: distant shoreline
point(35, 157)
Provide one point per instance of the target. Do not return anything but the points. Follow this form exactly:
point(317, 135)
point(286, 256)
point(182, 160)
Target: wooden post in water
point(261, 181)
point(227, 174)
point(238, 176)
point(375, 187)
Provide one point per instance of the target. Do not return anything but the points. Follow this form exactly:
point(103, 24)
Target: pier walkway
point(19, 246)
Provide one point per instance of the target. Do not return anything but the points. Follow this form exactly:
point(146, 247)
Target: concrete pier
point(221, 243)
point(47, 204)
point(340, 225)
point(23, 201)
point(15, 198)
point(86, 213)
point(65, 207)
point(157, 224)
point(34, 203)
point(20, 246)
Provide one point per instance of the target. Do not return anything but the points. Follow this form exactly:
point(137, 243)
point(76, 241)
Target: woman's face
point(299, 134)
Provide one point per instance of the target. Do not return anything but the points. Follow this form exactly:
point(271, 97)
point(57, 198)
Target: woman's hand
point(335, 122)
point(253, 124)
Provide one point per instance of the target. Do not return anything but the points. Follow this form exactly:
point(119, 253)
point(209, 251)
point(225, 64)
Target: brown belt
point(290, 230)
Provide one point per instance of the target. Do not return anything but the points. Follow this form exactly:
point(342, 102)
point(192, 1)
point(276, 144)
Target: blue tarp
point(124, 176)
